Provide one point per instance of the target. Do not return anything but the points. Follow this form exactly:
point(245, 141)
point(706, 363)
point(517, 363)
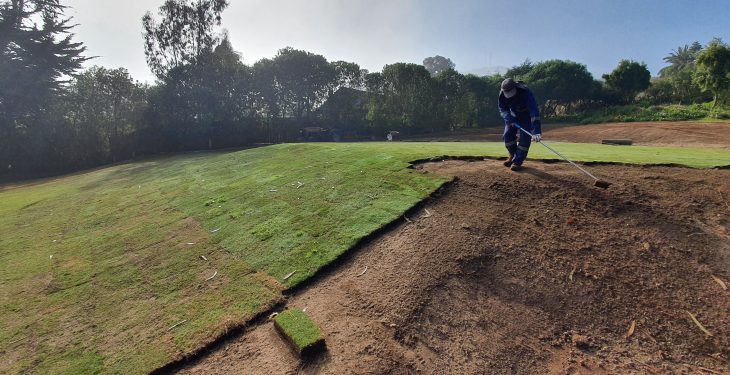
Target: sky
point(474, 34)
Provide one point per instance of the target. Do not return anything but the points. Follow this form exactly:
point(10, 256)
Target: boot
point(508, 163)
point(516, 167)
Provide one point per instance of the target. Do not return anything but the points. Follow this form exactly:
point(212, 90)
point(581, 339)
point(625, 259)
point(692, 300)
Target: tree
point(629, 78)
point(678, 75)
point(713, 69)
point(661, 91)
point(520, 72)
point(452, 101)
point(348, 74)
point(303, 79)
point(37, 53)
point(681, 58)
point(268, 96)
point(437, 64)
point(205, 103)
point(404, 99)
point(375, 83)
point(559, 82)
point(186, 30)
point(103, 106)
point(34, 56)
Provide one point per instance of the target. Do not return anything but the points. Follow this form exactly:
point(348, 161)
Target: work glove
point(536, 127)
point(537, 137)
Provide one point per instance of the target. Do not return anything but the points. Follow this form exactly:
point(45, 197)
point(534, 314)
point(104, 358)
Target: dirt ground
point(693, 134)
point(697, 134)
point(525, 273)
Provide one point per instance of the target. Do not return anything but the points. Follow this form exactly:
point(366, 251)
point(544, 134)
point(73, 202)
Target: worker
point(517, 104)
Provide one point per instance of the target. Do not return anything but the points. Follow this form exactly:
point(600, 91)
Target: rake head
point(602, 184)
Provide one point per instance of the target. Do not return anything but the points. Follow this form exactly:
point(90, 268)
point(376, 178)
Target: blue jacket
point(521, 105)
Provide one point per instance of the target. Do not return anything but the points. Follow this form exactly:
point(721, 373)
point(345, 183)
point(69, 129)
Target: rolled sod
point(302, 334)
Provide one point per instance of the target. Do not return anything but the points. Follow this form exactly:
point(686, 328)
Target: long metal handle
point(559, 154)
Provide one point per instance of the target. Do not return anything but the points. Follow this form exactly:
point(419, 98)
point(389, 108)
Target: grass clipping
point(303, 335)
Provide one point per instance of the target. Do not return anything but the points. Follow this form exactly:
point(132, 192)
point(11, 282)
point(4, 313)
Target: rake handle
point(557, 153)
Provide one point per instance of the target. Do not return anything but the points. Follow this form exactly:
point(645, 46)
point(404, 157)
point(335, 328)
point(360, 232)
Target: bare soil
point(680, 133)
point(530, 272)
point(696, 134)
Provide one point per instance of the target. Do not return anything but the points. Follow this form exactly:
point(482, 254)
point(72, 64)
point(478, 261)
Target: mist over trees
point(56, 118)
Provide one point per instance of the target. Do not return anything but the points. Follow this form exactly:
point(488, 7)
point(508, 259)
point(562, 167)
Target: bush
point(645, 112)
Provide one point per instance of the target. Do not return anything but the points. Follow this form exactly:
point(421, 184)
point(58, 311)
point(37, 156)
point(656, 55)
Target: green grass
point(96, 267)
point(634, 112)
point(301, 331)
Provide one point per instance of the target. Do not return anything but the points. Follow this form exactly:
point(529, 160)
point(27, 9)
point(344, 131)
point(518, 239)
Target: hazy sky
point(474, 34)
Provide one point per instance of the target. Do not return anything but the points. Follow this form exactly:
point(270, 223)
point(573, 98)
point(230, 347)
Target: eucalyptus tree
point(186, 29)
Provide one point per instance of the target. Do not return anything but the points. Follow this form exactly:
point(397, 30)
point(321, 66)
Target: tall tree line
point(56, 118)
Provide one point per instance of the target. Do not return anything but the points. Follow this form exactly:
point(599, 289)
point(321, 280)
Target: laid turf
point(301, 332)
point(124, 269)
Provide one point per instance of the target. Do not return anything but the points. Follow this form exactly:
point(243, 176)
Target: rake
point(597, 182)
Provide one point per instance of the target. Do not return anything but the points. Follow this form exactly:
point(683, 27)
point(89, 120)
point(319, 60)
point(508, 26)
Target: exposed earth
point(685, 133)
point(693, 134)
point(530, 272)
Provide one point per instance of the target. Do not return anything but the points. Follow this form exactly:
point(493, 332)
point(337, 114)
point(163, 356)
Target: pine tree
point(37, 56)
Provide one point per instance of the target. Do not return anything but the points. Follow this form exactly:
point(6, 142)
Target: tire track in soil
point(498, 280)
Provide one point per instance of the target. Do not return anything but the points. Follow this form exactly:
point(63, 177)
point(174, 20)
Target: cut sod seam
point(302, 334)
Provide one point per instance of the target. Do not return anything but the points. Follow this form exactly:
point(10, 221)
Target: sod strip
point(302, 334)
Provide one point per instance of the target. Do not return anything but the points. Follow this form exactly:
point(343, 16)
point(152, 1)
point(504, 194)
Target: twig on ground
point(723, 199)
point(211, 278)
point(428, 213)
point(190, 243)
point(272, 191)
point(363, 271)
point(299, 184)
point(632, 327)
point(289, 275)
point(203, 258)
point(717, 280)
point(570, 275)
point(407, 219)
point(176, 325)
point(697, 322)
point(215, 230)
point(696, 234)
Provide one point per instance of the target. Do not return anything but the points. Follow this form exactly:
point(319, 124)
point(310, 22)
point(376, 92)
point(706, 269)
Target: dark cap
point(508, 84)
point(509, 87)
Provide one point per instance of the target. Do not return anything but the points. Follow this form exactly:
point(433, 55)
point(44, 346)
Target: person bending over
point(517, 104)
